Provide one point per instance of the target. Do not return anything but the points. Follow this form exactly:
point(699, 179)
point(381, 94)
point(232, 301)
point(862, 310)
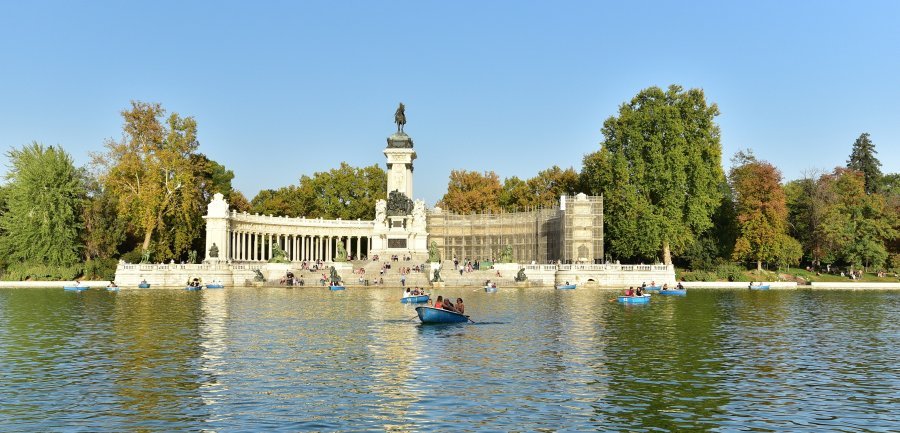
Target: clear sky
point(282, 89)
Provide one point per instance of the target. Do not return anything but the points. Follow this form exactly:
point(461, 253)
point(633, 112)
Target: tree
point(44, 197)
point(103, 230)
point(659, 168)
point(863, 159)
point(471, 192)
point(346, 192)
point(855, 225)
point(761, 213)
point(514, 194)
point(805, 201)
point(156, 178)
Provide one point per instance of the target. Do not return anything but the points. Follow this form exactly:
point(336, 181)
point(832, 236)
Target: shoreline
point(775, 285)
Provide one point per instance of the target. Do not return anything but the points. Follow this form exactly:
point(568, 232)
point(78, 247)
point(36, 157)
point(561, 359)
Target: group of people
point(632, 291)
point(447, 304)
point(291, 280)
point(415, 291)
point(194, 283)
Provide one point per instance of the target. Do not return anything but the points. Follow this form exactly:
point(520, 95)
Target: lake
point(539, 359)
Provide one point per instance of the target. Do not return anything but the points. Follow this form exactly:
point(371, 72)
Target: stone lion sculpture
point(434, 255)
point(521, 275)
point(340, 255)
point(278, 255)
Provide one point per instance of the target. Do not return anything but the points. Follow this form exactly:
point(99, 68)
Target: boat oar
point(467, 317)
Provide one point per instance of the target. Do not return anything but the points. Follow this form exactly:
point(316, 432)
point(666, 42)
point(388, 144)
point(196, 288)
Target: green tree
point(156, 178)
point(103, 230)
point(44, 199)
point(514, 195)
point(659, 168)
point(855, 225)
point(761, 213)
point(863, 159)
point(471, 192)
point(806, 203)
point(345, 192)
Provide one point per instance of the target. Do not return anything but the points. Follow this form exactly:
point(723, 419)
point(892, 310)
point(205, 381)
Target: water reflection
point(538, 359)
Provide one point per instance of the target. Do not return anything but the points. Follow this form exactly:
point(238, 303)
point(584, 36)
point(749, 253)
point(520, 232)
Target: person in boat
point(144, 281)
point(77, 283)
point(460, 307)
point(112, 284)
point(408, 293)
point(653, 283)
point(639, 291)
point(439, 303)
point(195, 282)
point(644, 284)
point(751, 285)
point(665, 286)
point(567, 283)
point(629, 291)
point(448, 305)
point(679, 286)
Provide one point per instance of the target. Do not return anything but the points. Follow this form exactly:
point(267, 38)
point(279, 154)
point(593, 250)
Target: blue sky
point(282, 89)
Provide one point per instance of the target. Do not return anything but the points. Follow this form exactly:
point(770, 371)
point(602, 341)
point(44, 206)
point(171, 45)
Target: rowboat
point(759, 287)
point(75, 288)
point(193, 288)
point(215, 286)
point(652, 288)
point(490, 289)
point(435, 315)
point(673, 292)
point(336, 287)
point(566, 287)
point(112, 289)
point(634, 299)
point(417, 299)
point(144, 286)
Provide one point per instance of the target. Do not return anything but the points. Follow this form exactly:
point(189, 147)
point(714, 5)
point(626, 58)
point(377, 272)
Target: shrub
point(21, 272)
point(133, 256)
point(100, 269)
point(731, 272)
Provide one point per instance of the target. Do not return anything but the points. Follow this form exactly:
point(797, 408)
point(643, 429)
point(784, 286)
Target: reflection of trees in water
point(156, 361)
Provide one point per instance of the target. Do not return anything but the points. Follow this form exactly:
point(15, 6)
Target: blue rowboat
point(673, 292)
point(490, 289)
point(192, 288)
point(566, 287)
point(435, 315)
point(74, 288)
point(634, 299)
point(215, 286)
point(144, 286)
point(336, 287)
point(652, 288)
point(418, 299)
point(760, 287)
point(112, 289)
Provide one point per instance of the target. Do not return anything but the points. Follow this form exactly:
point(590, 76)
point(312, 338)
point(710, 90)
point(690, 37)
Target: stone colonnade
point(253, 238)
point(257, 246)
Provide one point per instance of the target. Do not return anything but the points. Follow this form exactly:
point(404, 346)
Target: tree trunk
point(759, 265)
point(147, 236)
point(667, 253)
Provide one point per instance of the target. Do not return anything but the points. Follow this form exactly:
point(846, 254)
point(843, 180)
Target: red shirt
point(438, 305)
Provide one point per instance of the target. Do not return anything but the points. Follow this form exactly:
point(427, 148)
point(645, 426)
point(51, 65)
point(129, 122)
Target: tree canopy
point(157, 178)
point(472, 192)
point(862, 158)
point(762, 213)
point(44, 197)
point(659, 168)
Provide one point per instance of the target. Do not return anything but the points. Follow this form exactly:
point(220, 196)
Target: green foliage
point(659, 168)
point(103, 230)
point(731, 272)
point(806, 204)
point(133, 256)
point(862, 158)
point(158, 180)
point(855, 225)
point(100, 269)
point(346, 192)
point(542, 190)
point(42, 272)
point(44, 199)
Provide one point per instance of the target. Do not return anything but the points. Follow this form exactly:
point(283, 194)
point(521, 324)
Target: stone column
point(217, 221)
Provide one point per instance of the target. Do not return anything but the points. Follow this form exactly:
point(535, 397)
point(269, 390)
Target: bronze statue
point(400, 117)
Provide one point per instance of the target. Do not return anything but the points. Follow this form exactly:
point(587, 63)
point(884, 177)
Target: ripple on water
point(537, 360)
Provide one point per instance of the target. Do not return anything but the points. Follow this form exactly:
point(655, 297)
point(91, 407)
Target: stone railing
point(599, 267)
point(151, 267)
point(299, 222)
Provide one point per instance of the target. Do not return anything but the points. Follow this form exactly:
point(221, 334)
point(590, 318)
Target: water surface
point(310, 359)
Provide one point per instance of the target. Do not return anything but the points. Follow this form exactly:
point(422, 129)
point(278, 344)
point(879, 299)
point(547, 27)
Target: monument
point(399, 220)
